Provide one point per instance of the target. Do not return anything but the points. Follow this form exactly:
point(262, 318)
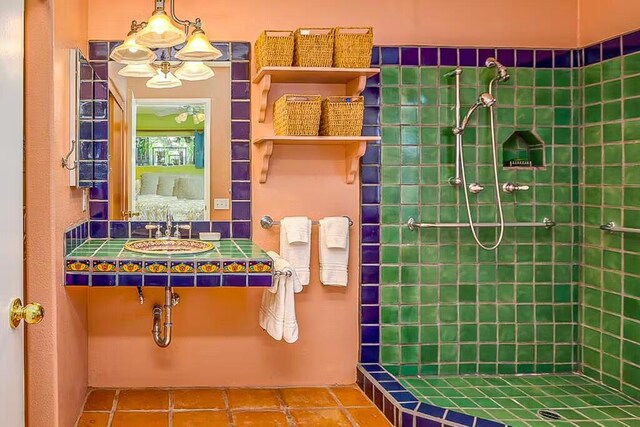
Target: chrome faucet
point(172, 231)
point(167, 231)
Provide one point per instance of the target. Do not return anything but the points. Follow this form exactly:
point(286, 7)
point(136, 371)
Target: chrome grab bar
point(613, 228)
point(413, 225)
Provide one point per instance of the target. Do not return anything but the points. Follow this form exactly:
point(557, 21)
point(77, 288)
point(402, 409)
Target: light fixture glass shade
point(130, 52)
point(160, 32)
point(194, 71)
point(198, 48)
point(182, 117)
point(163, 81)
point(137, 70)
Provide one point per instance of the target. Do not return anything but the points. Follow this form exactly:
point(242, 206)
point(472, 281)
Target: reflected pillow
point(166, 184)
point(149, 183)
point(190, 188)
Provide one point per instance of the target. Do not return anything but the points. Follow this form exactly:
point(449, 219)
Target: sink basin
point(169, 246)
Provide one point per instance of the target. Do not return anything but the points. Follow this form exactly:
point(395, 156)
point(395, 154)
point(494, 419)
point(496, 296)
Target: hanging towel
point(198, 149)
point(295, 245)
point(278, 311)
point(334, 257)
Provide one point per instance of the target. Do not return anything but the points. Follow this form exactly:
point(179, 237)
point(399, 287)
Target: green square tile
point(543, 77)
point(410, 75)
point(631, 64)
point(390, 75)
point(429, 76)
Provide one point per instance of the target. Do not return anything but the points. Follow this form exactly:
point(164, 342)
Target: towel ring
point(282, 273)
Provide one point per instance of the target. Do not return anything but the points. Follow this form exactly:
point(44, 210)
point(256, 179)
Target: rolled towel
point(295, 245)
point(334, 261)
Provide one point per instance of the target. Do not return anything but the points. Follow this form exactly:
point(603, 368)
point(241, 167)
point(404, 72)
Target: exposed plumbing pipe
point(162, 336)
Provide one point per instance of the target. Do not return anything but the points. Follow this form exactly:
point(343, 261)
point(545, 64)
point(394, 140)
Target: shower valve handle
point(475, 188)
point(510, 187)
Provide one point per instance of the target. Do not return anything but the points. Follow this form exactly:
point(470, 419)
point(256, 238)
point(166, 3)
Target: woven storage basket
point(297, 115)
point(313, 47)
point(274, 48)
point(353, 47)
point(342, 116)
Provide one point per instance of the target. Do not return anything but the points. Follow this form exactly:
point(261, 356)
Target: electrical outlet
point(220, 204)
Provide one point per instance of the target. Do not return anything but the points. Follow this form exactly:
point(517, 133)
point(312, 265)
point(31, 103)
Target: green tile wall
point(447, 306)
point(610, 191)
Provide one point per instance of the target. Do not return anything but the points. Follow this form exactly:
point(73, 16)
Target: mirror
point(169, 148)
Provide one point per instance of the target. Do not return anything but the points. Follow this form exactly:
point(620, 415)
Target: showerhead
point(502, 73)
point(486, 99)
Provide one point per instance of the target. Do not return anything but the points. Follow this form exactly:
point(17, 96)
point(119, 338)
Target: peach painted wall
point(600, 20)
point(56, 370)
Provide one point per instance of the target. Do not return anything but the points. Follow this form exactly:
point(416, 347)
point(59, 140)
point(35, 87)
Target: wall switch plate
point(220, 204)
point(85, 199)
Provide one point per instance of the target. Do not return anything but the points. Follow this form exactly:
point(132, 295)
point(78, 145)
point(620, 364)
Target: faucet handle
point(177, 233)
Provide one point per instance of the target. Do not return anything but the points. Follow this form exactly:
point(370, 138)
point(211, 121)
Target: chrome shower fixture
point(484, 100)
point(502, 73)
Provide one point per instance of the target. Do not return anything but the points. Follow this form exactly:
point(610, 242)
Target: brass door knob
point(30, 313)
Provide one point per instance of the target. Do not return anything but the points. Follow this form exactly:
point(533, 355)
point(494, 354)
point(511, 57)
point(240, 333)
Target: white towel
point(295, 245)
point(334, 260)
point(336, 232)
point(278, 309)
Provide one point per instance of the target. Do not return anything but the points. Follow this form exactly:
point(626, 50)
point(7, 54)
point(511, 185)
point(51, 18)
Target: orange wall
point(600, 20)
point(57, 348)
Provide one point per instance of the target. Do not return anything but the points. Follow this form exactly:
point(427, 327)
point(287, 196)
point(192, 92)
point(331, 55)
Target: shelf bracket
point(353, 152)
point(265, 87)
point(264, 155)
point(356, 86)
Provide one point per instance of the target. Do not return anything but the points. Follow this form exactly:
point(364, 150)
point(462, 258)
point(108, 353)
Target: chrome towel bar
point(413, 225)
point(613, 228)
point(267, 222)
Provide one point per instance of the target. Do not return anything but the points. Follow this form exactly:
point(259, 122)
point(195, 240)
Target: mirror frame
point(94, 146)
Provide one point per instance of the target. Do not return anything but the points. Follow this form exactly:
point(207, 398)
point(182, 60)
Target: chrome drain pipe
point(162, 335)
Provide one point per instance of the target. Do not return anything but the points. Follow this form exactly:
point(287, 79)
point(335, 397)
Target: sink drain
point(548, 415)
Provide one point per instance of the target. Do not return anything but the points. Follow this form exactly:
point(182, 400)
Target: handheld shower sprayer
point(502, 73)
point(484, 100)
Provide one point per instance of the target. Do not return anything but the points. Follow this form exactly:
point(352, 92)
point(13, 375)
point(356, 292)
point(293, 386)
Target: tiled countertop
point(105, 262)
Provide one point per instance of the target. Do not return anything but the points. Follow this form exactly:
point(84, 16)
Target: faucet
point(172, 231)
point(510, 187)
point(167, 231)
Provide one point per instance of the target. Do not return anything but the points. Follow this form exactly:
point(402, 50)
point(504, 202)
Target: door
point(117, 192)
point(11, 214)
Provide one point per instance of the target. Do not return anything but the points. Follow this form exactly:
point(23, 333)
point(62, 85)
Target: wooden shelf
point(355, 79)
point(354, 148)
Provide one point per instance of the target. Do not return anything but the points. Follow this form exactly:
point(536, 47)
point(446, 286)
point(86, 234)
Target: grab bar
point(613, 228)
point(267, 222)
point(413, 225)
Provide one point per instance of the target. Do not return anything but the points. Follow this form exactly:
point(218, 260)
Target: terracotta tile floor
point(235, 407)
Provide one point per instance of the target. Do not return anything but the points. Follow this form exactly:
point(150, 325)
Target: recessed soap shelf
point(524, 149)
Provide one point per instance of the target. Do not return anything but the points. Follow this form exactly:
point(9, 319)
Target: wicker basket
point(342, 116)
point(313, 47)
point(353, 47)
point(297, 115)
point(274, 48)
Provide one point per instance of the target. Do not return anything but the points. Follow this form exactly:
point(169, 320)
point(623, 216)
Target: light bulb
point(160, 32)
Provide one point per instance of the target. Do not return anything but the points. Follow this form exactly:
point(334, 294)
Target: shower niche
point(523, 150)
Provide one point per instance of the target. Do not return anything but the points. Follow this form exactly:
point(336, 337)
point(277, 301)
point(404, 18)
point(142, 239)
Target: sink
point(168, 246)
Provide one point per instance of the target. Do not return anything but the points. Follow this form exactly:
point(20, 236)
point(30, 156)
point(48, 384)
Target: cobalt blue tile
point(507, 57)
point(371, 96)
point(382, 376)
point(371, 194)
point(457, 417)
point(240, 90)
point(369, 353)
point(240, 130)
point(378, 398)
point(578, 57)
point(481, 422)
point(369, 295)
point(86, 150)
point(100, 130)
point(99, 210)
point(261, 280)
point(371, 130)
point(101, 70)
point(100, 90)
point(611, 48)
point(198, 227)
point(224, 228)
point(86, 71)
point(390, 55)
point(562, 58)
point(119, 229)
point(410, 405)
point(524, 58)
point(240, 190)
point(370, 174)
point(429, 56)
point(224, 49)
point(373, 367)
point(85, 110)
point(207, 280)
point(101, 150)
point(403, 396)
point(373, 80)
point(375, 56)
point(409, 56)
point(434, 411)
point(240, 171)
point(370, 274)
point(371, 155)
point(392, 386)
point(98, 50)
point(468, 57)
point(103, 280)
point(544, 59)
point(100, 110)
point(370, 234)
point(182, 281)
point(72, 279)
point(85, 129)
point(592, 54)
point(407, 419)
point(240, 110)
point(368, 388)
point(240, 151)
point(86, 91)
point(240, 70)
point(371, 214)
point(130, 279)
point(99, 229)
point(240, 51)
point(372, 116)
point(100, 171)
point(156, 280)
point(235, 280)
point(370, 254)
point(631, 42)
point(483, 54)
point(369, 314)
point(370, 334)
point(241, 229)
point(448, 56)
point(138, 229)
point(427, 422)
point(389, 410)
point(241, 211)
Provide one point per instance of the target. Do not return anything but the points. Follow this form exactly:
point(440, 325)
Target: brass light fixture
point(162, 31)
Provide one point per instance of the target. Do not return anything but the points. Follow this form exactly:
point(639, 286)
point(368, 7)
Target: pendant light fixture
point(162, 31)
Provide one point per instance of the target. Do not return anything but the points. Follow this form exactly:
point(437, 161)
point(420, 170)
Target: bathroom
point(431, 329)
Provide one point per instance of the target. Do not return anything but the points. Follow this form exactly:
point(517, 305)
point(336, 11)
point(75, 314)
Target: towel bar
point(267, 222)
point(613, 228)
point(413, 225)
point(282, 273)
